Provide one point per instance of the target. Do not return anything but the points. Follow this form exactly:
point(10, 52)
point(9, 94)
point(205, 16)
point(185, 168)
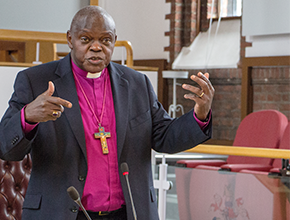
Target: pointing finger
point(59, 103)
point(56, 100)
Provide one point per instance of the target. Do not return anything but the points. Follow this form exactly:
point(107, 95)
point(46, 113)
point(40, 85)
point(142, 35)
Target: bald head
point(89, 15)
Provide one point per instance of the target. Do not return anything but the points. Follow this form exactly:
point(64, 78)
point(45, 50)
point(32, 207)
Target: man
point(82, 116)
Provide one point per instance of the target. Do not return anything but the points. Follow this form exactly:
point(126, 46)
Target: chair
point(261, 129)
point(14, 178)
point(284, 144)
point(282, 208)
point(278, 164)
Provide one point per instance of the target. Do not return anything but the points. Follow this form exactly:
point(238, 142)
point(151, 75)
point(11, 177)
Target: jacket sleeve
point(14, 145)
point(178, 134)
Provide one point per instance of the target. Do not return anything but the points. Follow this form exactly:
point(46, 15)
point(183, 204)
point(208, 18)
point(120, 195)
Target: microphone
point(125, 171)
point(73, 193)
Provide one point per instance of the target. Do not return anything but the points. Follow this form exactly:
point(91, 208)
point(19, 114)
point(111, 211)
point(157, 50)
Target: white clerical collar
point(94, 75)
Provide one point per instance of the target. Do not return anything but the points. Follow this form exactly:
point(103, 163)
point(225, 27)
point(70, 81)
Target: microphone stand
point(125, 171)
point(73, 193)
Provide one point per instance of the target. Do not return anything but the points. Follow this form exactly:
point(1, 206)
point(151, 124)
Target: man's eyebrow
point(88, 31)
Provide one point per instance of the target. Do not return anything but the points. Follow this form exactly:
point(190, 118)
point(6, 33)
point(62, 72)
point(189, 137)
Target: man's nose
point(96, 46)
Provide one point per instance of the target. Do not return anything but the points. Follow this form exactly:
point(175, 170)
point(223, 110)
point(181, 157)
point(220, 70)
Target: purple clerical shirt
point(103, 191)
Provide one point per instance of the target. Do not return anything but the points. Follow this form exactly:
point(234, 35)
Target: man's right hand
point(45, 107)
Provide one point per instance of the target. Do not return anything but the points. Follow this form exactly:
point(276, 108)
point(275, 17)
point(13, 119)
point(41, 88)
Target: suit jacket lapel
point(66, 89)
point(120, 96)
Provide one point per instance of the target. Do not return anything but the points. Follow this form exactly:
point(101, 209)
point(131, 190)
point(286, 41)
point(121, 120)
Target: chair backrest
point(14, 178)
point(261, 129)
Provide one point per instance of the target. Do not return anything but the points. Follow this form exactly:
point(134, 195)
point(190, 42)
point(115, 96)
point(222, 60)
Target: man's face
point(92, 41)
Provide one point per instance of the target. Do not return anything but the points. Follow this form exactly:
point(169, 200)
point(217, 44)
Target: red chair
point(261, 129)
point(284, 144)
point(281, 209)
point(14, 178)
point(279, 165)
point(195, 187)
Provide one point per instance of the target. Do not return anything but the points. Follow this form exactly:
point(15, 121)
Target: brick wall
point(271, 85)
point(226, 104)
point(271, 88)
point(183, 26)
point(271, 91)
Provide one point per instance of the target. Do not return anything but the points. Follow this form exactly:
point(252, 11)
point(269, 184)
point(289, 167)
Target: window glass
point(227, 8)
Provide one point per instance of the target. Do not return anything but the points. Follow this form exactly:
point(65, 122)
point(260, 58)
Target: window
point(227, 8)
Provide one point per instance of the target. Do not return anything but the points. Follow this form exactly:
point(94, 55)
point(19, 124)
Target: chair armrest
point(239, 167)
point(195, 163)
point(206, 167)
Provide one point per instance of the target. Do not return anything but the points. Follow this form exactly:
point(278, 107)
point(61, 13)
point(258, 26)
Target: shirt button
point(81, 178)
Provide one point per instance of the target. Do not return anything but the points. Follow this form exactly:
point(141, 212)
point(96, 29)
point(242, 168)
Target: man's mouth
point(94, 60)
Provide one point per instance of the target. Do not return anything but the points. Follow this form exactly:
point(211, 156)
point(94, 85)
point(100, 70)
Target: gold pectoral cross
point(103, 137)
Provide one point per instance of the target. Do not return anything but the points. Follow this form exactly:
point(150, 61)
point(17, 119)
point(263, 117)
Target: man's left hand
point(202, 96)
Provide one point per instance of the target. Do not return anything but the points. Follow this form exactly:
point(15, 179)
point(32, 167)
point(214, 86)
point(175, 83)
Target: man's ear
point(69, 39)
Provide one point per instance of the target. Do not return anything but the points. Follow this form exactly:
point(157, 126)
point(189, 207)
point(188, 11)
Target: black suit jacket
point(58, 147)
